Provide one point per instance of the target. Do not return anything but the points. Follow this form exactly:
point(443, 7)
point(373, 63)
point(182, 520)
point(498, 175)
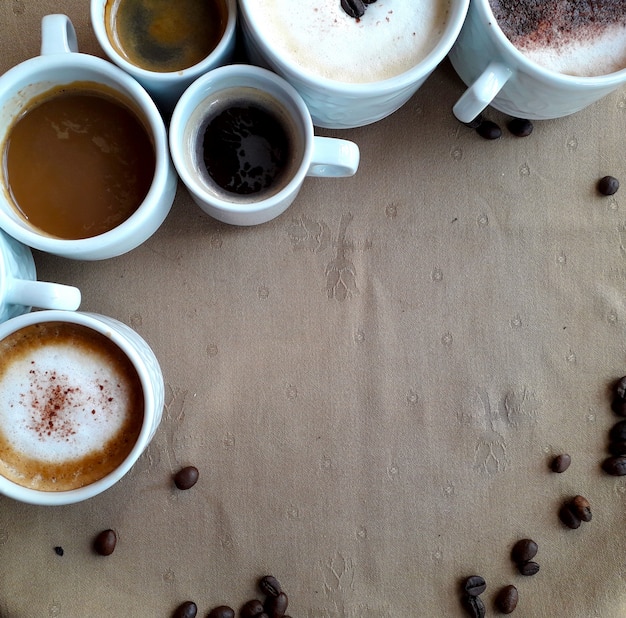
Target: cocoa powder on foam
point(552, 23)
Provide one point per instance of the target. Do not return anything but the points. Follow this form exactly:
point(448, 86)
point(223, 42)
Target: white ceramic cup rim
point(130, 89)
point(227, 77)
point(165, 77)
point(389, 85)
point(537, 70)
point(55, 498)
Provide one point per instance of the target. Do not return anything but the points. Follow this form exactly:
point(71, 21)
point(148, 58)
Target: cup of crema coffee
point(81, 396)
point(86, 171)
point(353, 63)
point(166, 44)
point(242, 141)
point(539, 60)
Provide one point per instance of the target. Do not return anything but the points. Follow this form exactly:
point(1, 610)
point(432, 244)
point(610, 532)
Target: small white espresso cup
point(167, 86)
point(311, 155)
point(498, 74)
point(60, 64)
point(35, 428)
point(19, 288)
point(337, 104)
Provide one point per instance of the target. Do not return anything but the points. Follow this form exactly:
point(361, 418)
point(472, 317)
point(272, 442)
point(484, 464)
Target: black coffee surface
point(246, 149)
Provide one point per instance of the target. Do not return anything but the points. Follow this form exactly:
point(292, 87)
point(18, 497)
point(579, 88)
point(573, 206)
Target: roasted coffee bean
point(105, 542)
point(608, 185)
point(474, 124)
point(223, 611)
point(618, 405)
point(474, 606)
point(507, 598)
point(560, 463)
point(489, 130)
point(620, 388)
point(618, 432)
point(251, 609)
point(186, 477)
point(276, 606)
point(58, 551)
point(520, 127)
point(524, 550)
point(580, 505)
point(369, 1)
point(188, 609)
point(474, 585)
point(615, 466)
point(528, 568)
point(568, 517)
point(270, 586)
point(354, 8)
point(617, 448)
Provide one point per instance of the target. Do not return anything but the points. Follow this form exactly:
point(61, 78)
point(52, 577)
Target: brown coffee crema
point(71, 406)
point(78, 162)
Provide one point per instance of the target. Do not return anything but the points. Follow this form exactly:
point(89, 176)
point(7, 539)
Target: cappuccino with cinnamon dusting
point(573, 37)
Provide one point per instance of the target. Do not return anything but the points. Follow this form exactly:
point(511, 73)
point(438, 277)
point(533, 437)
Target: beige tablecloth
point(374, 438)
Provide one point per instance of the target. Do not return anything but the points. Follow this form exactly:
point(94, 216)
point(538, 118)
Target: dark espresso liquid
point(247, 149)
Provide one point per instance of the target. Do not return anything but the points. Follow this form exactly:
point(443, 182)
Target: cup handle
point(58, 35)
point(332, 157)
point(481, 92)
point(42, 294)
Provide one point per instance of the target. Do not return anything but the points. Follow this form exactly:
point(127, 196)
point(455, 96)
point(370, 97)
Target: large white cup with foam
point(19, 288)
point(58, 65)
point(500, 75)
point(81, 397)
point(351, 72)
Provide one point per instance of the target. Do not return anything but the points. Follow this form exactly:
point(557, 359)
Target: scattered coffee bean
point(568, 517)
point(618, 432)
point(474, 606)
point(506, 599)
point(188, 609)
point(186, 477)
point(58, 551)
point(354, 8)
point(560, 463)
point(276, 606)
point(270, 586)
point(617, 448)
point(524, 550)
point(474, 585)
point(105, 542)
point(223, 611)
point(615, 466)
point(489, 130)
point(620, 388)
point(251, 609)
point(520, 127)
point(474, 124)
point(608, 185)
point(365, 2)
point(528, 568)
point(580, 505)
point(618, 405)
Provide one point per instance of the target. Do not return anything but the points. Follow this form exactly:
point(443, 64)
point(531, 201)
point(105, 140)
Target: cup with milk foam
point(19, 288)
point(351, 72)
point(81, 396)
point(540, 60)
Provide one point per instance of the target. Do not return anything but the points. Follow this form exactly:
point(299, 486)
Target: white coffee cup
point(498, 74)
point(141, 357)
point(166, 87)
point(19, 288)
point(338, 104)
point(318, 156)
point(60, 64)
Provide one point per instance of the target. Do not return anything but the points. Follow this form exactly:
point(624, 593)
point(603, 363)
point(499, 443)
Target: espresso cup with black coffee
point(539, 60)
point(242, 140)
point(86, 168)
point(81, 396)
point(166, 45)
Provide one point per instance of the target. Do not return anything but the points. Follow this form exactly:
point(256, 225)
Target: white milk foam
point(390, 38)
point(92, 396)
point(599, 54)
